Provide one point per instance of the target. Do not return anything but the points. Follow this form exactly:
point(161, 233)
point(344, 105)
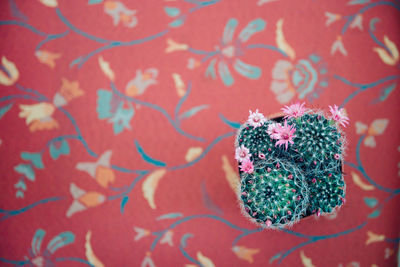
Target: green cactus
point(326, 192)
point(275, 193)
point(317, 142)
point(309, 180)
point(257, 141)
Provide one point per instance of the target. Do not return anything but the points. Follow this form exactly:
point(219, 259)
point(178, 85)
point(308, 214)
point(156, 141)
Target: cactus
point(274, 194)
point(317, 142)
point(307, 147)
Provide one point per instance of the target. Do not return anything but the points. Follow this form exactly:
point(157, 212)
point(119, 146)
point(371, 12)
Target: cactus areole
point(290, 165)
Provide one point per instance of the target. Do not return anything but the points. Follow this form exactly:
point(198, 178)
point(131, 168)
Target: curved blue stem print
point(362, 87)
point(361, 169)
point(157, 108)
point(350, 18)
point(48, 37)
point(11, 213)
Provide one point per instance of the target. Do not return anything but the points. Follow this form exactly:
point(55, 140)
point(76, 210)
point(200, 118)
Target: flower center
point(243, 154)
point(228, 51)
point(285, 136)
point(256, 119)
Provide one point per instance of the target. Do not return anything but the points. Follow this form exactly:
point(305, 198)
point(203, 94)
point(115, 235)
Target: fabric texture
point(118, 123)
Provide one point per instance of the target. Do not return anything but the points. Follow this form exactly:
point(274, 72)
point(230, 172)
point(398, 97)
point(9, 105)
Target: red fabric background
point(198, 195)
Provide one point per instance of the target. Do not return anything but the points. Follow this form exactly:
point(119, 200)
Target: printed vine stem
point(182, 246)
point(350, 18)
point(47, 36)
point(362, 87)
point(11, 213)
point(209, 54)
point(143, 173)
point(174, 122)
point(28, 262)
point(109, 44)
point(359, 166)
point(245, 232)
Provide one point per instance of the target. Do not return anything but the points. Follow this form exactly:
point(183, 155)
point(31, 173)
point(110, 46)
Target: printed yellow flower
point(38, 111)
point(372, 238)
point(245, 253)
point(9, 75)
point(173, 46)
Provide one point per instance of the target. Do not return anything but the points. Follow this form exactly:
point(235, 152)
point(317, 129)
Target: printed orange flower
point(38, 116)
point(47, 58)
point(68, 91)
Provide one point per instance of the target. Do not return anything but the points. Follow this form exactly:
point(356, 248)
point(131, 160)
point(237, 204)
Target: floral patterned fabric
point(118, 121)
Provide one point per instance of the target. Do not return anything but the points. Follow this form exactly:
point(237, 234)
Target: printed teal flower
point(111, 107)
point(230, 51)
point(44, 258)
point(305, 78)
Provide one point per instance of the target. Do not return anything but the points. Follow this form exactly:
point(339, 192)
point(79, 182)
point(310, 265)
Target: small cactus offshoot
point(291, 166)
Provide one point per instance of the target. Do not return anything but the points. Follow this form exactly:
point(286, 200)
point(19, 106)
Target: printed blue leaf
point(19, 194)
point(15, 12)
point(37, 241)
point(172, 11)
point(274, 258)
point(169, 216)
point(208, 201)
point(192, 112)
point(5, 109)
point(211, 69)
point(358, 2)
point(20, 185)
point(176, 23)
point(372, 23)
point(233, 124)
point(252, 28)
point(148, 158)
point(385, 93)
point(229, 30)
point(55, 152)
point(370, 201)
point(75, 61)
point(184, 238)
point(61, 240)
point(104, 104)
point(35, 158)
point(27, 170)
point(123, 203)
point(94, 2)
point(225, 73)
point(375, 214)
point(247, 70)
point(122, 117)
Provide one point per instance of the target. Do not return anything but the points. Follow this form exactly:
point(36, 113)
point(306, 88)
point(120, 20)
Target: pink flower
point(286, 135)
point(338, 115)
point(337, 156)
point(261, 155)
point(273, 130)
point(256, 119)
point(247, 166)
point(242, 153)
point(294, 111)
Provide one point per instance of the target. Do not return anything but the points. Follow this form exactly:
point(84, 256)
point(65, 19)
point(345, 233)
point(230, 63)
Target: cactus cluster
point(290, 166)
